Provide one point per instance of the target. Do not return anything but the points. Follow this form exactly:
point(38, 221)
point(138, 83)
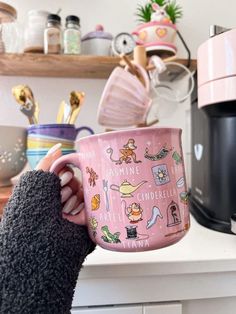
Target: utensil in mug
point(24, 96)
point(133, 200)
point(67, 110)
point(60, 114)
point(76, 101)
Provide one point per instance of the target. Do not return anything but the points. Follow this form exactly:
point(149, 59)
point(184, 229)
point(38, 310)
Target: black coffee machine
point(213, 120)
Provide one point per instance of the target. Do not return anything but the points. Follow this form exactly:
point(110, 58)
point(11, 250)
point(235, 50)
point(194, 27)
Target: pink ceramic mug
point(157, 36)
point(134, 188)
point(125, 100)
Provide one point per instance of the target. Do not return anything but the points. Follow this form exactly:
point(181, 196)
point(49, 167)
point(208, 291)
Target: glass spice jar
point(52, 35)
point(72, 35)
point(34, 32)
point(9, 33)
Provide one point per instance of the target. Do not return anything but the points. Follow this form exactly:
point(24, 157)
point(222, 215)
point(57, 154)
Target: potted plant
point(157, 29)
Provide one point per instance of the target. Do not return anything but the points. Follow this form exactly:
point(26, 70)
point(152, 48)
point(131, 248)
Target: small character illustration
point(180, 183)
point(159, 14)
point(173, 215)
point(160, 174)
point(92, 176)
point(95, 202)
point(109, 237)
point(105, 189)
point(156, 213)
point(93, 224)
point(127, 153)
point(163, 152)
point(177, 158)
point(126, 188)
point(133, 212)
point(184, 197)
point(131, 232)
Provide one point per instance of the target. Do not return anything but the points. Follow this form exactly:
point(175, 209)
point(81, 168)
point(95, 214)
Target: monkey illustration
point(92, 176)
point(127, 153)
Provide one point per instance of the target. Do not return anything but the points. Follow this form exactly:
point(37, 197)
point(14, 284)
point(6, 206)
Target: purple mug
point(63, 131)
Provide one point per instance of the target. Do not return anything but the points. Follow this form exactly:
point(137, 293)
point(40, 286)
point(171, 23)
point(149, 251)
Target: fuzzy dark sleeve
point(41, 253)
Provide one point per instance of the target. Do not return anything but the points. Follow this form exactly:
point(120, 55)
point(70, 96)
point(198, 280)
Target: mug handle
point(78, 130)
point(143, 73)
point(59, 164)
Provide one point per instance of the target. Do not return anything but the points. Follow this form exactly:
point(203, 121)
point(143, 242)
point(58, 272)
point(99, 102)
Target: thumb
point(53, 154)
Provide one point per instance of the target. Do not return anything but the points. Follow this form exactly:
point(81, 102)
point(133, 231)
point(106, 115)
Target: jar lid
point(73, 18)
point(98, 33)
point(54, 18)
point(7, 13)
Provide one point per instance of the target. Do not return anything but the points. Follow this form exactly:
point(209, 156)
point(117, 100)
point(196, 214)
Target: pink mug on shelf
point(134, 188)
point(125, 100)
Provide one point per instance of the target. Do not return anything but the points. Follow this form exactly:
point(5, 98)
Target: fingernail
point(66, 177)
point(44, 163)
point(70, 204)
point(65, 193)
point(53, 149)
point(77, 210)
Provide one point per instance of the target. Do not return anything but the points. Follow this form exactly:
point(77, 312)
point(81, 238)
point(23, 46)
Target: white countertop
point(202, 265)
point(201, 250)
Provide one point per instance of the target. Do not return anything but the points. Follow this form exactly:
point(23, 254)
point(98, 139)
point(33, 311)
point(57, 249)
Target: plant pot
point(157, 37)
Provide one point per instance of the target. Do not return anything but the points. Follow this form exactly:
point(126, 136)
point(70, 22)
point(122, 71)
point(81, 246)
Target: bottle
point(72, 35)
point(52, 35)
point(34, 31)
point(9, 33)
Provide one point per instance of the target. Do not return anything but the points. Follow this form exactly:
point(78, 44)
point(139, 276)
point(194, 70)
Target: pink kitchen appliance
point(213, 114)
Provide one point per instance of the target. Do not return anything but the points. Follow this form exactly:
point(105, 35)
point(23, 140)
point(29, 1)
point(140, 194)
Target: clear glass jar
point(72, 35)
point(8, 29)
point(34, 32)
point(52, 35)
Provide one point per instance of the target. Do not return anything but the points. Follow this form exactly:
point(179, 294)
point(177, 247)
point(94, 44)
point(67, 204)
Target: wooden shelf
point(40, 65)
point(57, 65)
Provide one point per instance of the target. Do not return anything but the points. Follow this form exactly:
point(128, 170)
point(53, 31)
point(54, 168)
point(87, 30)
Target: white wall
point(119, 15)
point(116, 16)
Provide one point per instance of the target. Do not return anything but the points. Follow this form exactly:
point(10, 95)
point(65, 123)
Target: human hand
point(71, 188)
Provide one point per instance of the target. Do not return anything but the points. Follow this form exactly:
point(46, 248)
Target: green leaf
point(161, 3)
point(144, 12)
point(173, 9)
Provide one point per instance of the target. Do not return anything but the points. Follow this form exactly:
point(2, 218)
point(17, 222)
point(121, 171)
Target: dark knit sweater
point(41, 253)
